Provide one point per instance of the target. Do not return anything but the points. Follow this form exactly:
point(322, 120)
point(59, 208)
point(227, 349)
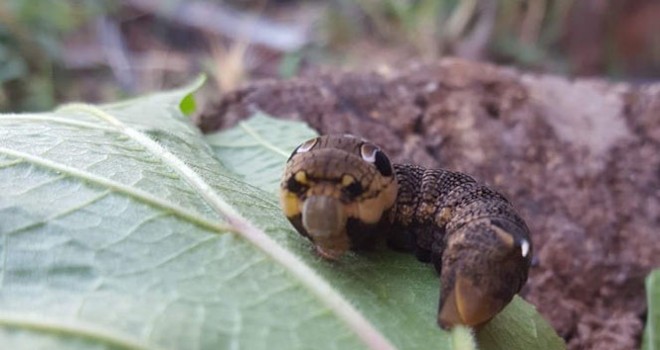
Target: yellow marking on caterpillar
point(347, 180)
point(290, 203)
point(301, 177)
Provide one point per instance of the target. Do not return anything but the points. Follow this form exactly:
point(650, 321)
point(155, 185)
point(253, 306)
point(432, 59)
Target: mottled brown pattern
point(451, 220)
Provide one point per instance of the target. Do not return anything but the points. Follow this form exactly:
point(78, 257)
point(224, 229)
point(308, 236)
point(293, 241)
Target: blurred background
point(53, 51)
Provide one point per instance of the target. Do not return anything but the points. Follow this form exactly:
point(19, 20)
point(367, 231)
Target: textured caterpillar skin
point(342, 193)
point(450, 220)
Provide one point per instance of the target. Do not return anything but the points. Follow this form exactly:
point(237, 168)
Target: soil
point(580, 159)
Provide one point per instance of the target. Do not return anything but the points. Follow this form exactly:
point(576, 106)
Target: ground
point(580, 159)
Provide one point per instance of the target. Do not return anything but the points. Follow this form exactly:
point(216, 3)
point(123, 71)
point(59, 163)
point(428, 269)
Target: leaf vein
point(138, 194)
point(78, 123)
point(248, 129)
point(167, 259)
point(133, 229)
point(72, 328)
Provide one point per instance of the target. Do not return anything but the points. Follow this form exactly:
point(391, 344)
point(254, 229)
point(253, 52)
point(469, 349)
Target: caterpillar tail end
point(468, 305)
point(485, 264)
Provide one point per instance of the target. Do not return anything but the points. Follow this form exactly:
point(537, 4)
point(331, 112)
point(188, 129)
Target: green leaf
point(651, 339)
point(257, 149)
point(519, 326)
point(120, 229)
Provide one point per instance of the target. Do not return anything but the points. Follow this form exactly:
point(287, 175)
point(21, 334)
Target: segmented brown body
point(342, 192)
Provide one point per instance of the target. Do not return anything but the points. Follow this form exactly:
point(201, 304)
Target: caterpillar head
point(336, 190)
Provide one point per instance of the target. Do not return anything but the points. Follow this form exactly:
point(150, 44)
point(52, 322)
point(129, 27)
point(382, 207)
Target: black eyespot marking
point(383, 164)
point(354, 189)
point(373, 154)
point(294, 186)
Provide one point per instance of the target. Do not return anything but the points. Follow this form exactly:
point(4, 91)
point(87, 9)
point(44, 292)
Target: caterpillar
point(342, 193)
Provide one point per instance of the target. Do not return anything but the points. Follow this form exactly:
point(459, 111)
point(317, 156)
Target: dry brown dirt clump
point(580, 159)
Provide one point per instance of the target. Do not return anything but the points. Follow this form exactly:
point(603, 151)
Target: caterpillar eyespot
point(304, 147)
point(368, 152)
point(372, 154)
point(465, 229)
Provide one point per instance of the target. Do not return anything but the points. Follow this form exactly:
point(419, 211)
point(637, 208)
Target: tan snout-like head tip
point(324, 219)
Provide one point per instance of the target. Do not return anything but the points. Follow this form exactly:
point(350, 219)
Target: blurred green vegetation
point(419, 23)
point(589, 37)
point(31, 33)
